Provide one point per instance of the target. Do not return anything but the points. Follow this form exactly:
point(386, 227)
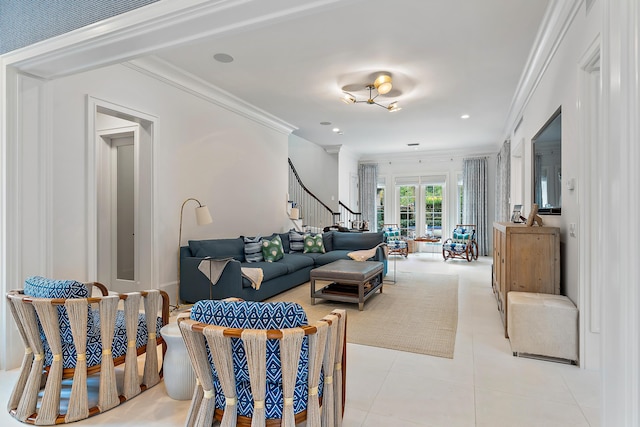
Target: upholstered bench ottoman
point(542, 324)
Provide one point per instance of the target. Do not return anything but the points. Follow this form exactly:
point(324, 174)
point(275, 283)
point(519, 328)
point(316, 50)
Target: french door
point(421, 207)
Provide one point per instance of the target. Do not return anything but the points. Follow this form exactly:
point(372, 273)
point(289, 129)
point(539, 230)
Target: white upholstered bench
point(542, 324)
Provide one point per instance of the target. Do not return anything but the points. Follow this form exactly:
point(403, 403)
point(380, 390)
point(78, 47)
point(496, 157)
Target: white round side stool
point(179, 377)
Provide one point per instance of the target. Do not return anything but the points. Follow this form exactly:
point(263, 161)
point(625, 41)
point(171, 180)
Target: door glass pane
point(433, 210)
point(407, 210)
point(125, 213)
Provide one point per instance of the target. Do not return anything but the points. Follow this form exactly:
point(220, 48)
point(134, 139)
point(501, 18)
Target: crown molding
point(148, 29)
point(555, 24)
point(168, 73)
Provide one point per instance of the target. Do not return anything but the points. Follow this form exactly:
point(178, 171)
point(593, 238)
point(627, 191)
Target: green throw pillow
point(272, 249)
point(313, 244)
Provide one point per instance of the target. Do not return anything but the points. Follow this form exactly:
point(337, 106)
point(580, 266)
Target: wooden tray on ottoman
point(350, 281)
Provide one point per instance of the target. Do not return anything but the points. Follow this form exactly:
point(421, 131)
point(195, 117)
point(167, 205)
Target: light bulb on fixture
point(393, 107)
point(383, 84)
point(347, 98)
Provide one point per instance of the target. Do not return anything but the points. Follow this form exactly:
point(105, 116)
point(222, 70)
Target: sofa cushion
point(313, 244)
point(295, 262)
point(218, 248)
point(356, 241)
point(270, 270)
point(334, 255)
point(253, 249)
point(327, 241)
point(296, 241)
point(284, 238)
point(272, 249)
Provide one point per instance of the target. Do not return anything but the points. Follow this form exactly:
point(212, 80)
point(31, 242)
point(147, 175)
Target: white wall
point(234, 165)
point(557, 87)
point(317, 169)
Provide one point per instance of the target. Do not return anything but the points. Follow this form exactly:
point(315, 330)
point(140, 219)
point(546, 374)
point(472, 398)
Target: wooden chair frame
point(25, 403)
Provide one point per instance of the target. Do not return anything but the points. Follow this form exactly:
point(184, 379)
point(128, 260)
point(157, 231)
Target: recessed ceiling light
point(336, 130)
point(465, 116)
point(223, 57)
point(325, 123)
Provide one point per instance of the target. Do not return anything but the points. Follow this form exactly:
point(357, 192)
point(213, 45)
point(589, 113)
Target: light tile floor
point(483, 385)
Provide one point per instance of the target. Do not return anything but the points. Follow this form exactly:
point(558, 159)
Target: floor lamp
point(203, 217)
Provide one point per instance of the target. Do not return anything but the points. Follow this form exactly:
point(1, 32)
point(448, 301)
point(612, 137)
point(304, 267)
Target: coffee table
point(350, 281)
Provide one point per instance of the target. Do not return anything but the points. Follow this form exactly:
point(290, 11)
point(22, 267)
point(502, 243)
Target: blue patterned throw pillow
point(296, 241)
point(272, 249)
point(313, 244)
point(253, 249)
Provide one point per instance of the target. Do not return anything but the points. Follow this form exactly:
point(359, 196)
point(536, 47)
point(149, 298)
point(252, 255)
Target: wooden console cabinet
point(525, 259)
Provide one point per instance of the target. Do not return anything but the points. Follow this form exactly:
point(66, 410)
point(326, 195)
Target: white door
point(117, 210)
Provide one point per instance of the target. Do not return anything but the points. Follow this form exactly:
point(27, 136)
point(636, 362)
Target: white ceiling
point(447, 58)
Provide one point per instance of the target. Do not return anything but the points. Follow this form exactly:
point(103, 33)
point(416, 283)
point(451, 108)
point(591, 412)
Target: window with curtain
point(460, 204)
point(421, 204)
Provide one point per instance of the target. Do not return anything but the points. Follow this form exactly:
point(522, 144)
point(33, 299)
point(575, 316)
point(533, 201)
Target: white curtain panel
point(503, 183)
point(475, 203)
point(368, 177)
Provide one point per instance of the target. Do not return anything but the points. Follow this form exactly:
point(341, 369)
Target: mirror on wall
point(547, 166)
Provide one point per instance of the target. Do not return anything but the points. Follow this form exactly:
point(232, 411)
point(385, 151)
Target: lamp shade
point(295, 213)
point(383, 84)
point(203, 216)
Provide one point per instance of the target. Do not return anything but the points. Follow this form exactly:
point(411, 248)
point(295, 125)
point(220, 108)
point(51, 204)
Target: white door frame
point(146, 265)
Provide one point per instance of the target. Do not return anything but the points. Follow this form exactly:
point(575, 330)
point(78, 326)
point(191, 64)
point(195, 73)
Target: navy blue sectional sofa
point(279, 276)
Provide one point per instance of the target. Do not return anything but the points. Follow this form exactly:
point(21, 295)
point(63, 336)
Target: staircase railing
point(347, 216)
point(313, 212)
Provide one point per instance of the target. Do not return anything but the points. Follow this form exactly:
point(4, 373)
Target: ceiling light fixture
point(381, 85)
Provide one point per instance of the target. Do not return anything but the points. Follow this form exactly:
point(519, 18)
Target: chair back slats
point(151, 374)
point(328, 364)
point(203, 403)
point(50, 405)
point(338, 371)
point(29, 399)
point(79, 400)
point(255, 345)
point(131, 379)
point(108, 394)
point(27, 359)
point(222, 356)
point(290, 347)
point(317, 345)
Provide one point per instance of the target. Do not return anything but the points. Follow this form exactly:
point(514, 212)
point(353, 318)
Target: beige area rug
point(418, 314)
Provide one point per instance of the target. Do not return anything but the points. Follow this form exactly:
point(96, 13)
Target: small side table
point(179, 377)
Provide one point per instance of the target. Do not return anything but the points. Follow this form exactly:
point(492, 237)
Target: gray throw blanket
point(213, 268)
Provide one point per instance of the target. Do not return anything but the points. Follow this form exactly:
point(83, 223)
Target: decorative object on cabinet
point(517, 213)
point(534, 217)
point(525, 259)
